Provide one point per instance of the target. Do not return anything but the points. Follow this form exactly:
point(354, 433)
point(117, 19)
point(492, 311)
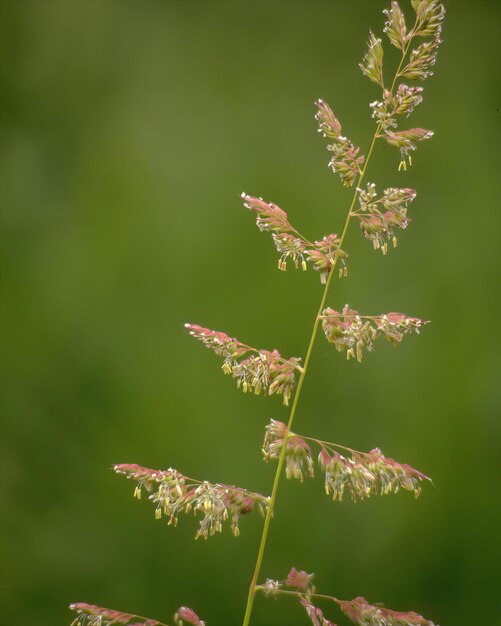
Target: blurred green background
point(128, 131)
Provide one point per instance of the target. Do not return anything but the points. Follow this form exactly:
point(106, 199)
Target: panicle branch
point(291, 244)
point(353, 332)
point(345, 159)
point(92, 615)
point(173, 493)
point(261, 371)
point(361, 474)
point(380, 225)
point(359, 611)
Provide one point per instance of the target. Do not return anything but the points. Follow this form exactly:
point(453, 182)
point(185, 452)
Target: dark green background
point(129, 129)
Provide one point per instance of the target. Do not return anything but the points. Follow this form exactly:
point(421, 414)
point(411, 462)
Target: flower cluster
point(429, 18)
point(372, 64)
point(360, 612)
point(406, 141)
point(430, 15)
point(366, 474)
point(395, 26)
point(377, 225)
point(421, 60)
point(261, 371)
point(353, 332)
point(361, 474)
point(298, 459)
point(402, 102)
point(345, 159)
point(291, 245)
point(92, 615)
point(174, 493)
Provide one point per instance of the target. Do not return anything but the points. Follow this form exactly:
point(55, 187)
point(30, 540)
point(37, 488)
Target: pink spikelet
point(360, 612)
point(92, 615)
point(186, 615)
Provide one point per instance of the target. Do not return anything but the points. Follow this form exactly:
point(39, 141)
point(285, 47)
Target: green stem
point(269, 514)
point(298, 594)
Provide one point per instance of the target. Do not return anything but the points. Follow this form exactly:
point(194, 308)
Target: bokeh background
point(129, 129)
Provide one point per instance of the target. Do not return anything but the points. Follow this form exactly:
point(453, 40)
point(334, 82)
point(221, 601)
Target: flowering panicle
point(174, 493)
point(345, 159)
point(261, 371)
point(372, 64)
point(377, 225)
point(353, 332)
point(292, 245)
point(361, 474)
point(429, 18)
point(186, 615)
point(360, 612)
point(92, 615)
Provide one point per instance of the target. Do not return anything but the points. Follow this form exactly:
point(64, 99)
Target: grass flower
point(359, 611)
point(381, 217)
point(361, 474)
point(260, 372)
point(173, 494)
point(345, 159)
point(354, 333)
point(291, 244)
